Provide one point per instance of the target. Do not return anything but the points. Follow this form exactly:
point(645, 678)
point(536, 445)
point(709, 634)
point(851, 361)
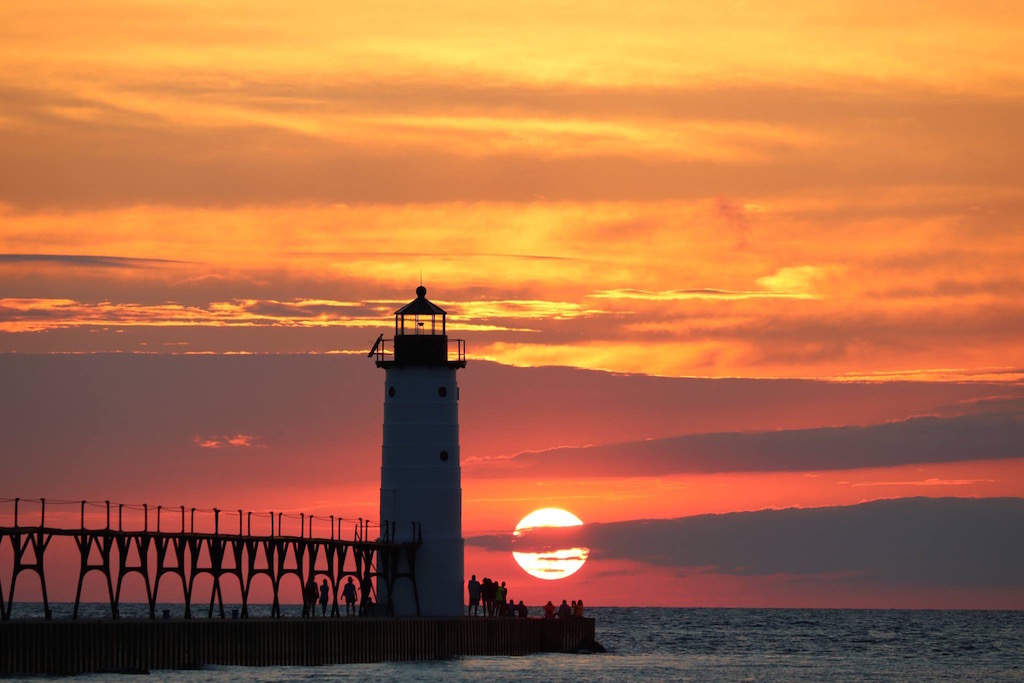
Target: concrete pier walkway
point(65, 647)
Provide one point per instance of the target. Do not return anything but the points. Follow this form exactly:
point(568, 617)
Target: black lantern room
point(421, 336)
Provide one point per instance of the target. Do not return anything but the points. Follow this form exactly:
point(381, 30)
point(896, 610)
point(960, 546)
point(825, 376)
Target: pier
point(176, 545)
point(65, 647)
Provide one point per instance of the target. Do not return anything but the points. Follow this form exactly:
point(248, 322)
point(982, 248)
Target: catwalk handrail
point(361, 530)
point(383, 353)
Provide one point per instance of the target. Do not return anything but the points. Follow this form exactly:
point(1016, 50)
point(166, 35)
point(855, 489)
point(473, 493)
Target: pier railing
point(170, 544)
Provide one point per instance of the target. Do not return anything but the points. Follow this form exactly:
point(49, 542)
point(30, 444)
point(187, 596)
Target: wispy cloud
point(438, 255)
point(934, 481)
point(796, 282)
point(85, 261)
point(968, 437)
point(37, 315)
point(690, 294)
point(232, 441)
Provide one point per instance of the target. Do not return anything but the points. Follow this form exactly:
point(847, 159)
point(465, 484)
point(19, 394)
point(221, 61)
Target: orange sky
point(820, 191)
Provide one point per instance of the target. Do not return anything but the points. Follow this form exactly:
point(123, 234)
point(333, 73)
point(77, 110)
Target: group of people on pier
point(311, 595)
point(563, 611)
point(494, 597)
point(496, 602)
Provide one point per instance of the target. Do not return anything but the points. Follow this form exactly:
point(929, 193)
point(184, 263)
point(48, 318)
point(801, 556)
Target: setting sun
point(550, 564)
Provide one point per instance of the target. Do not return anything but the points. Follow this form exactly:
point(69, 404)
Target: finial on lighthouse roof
point(421, 305)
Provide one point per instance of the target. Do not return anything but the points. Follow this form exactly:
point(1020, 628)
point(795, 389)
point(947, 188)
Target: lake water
point(714, 645)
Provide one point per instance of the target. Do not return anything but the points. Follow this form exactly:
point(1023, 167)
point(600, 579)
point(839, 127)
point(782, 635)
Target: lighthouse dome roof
point(420, 305)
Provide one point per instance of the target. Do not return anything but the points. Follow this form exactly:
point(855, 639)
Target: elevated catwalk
point(230, 558)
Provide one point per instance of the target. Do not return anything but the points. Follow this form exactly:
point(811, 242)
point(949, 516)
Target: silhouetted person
point(578, 610)
point(325, 593)
point(309, 595)
point(474, 597)
point(564, 611)
point(549, 610)
point(487, 595)
point(499, 598)
point(510, 608)
point(349, 593)
point(521, 610)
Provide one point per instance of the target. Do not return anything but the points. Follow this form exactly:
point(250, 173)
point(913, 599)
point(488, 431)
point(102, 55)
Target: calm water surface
point(718, 645)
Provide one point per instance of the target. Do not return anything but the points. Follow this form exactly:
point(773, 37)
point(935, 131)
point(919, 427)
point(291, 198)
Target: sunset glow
point(707, 259)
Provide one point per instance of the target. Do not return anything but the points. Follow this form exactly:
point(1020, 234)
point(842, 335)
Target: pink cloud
point(238, 440)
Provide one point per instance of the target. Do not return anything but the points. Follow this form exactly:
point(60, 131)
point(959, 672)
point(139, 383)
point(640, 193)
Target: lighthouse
point(420, 475)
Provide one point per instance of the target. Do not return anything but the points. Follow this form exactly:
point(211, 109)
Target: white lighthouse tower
point(420, 475)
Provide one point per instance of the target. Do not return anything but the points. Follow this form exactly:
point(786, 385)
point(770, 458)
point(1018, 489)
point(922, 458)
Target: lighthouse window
point(442, 392)
point(391, 392)
point(444, 456)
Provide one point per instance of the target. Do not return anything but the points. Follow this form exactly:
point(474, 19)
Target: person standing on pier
point(325, 593)
point(309, 595)
point(487, 595)
point(499, 599)
point(474, 597)
point(349, 593)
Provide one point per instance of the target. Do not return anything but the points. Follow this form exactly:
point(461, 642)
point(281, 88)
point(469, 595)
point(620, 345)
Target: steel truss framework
point(182, 557)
